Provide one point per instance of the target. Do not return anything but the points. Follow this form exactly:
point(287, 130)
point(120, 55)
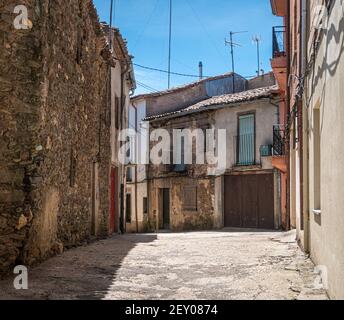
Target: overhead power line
point(176, 73)
point(170, 46)
point(165, 71)
point(147, 87)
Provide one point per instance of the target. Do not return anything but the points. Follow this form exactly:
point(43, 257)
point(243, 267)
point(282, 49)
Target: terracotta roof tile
point(220, 101)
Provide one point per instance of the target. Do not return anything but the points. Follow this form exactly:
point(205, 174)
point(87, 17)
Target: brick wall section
point(53, 110)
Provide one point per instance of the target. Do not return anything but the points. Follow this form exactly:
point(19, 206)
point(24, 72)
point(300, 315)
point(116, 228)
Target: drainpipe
point(136, 175)
point(304, 129)
point(288, 113)
point(122, 107)
point(299, 115)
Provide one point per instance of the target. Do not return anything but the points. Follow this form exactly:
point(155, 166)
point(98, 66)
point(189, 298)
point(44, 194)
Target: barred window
point(190, 198)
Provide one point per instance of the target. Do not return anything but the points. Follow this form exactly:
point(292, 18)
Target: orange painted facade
point(279, 64)
point(286, 65)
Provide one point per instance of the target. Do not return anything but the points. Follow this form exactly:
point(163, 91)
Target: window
point(145, 205)
point(190, 198)
point(128, 153)
point(180, 167)
point(246, 140)
point(128, 208)
point(129, 175)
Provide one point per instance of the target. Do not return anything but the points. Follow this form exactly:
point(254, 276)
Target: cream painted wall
point(141, 216)
point(326, 85)
point(266, 117)
point(142, 154)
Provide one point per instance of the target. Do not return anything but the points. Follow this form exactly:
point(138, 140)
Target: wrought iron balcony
point(278, 42)
point(279, 140)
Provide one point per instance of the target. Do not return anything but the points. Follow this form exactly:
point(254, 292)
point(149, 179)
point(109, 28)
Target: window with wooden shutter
point(246, 140)
point(128, 208)
point(190, 198)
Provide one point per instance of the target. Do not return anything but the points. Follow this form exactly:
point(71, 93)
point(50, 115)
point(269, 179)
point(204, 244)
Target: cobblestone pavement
point(198, 265)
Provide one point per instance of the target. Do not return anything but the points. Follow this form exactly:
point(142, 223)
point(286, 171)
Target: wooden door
point(249, 201)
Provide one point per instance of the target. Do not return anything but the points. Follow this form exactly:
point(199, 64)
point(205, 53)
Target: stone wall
point(206, 214)
point(53, 127)
point(205, 217)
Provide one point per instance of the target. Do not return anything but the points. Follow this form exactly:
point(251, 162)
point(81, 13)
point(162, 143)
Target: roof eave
point(205, 109)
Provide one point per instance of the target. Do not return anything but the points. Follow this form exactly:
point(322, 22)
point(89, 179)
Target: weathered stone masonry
point(195, 178)
point(53, 126)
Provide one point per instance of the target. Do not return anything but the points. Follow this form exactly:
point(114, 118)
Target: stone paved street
point(199, 265)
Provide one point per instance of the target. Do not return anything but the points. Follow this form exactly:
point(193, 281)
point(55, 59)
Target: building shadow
point(84, 273)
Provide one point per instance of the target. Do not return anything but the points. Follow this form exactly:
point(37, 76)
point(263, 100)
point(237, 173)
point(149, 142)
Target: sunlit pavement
point(200, 265)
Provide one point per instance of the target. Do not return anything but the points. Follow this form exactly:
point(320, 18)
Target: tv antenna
point(169, 44)
point(257, 40)
point(232, 44)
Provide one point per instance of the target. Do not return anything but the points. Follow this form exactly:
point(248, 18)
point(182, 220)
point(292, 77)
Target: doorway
point(249, 201)
point(114, 208)
point(164, 209)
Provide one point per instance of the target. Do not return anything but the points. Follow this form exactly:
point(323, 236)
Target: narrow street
point(198, 265)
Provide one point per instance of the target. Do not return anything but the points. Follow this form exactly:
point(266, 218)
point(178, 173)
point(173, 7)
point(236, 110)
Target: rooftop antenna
point(232, 45)
point(112, 18)
point(169, 47)
point(257, 40)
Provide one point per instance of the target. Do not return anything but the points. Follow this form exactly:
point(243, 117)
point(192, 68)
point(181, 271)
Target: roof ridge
point(220, 100)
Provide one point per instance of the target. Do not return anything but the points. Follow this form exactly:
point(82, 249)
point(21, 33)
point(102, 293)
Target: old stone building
point(242, 192)
point(58, 111)
point(137, 192)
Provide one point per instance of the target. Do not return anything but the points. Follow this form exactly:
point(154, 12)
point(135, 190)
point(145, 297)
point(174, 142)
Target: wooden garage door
point(249, 201)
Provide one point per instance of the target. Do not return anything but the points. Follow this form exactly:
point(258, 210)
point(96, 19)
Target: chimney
point(200, 66)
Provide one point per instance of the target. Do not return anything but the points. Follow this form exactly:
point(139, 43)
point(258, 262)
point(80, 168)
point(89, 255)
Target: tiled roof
point(220, 101)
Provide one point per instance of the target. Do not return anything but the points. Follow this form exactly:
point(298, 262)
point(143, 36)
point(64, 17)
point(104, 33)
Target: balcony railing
point(278, 43)
point(279, 140)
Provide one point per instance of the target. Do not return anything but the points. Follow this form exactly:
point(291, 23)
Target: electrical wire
point(147, 87)
point(197, 17)
point(178, 74)
point(165, 71)
point(146, 24)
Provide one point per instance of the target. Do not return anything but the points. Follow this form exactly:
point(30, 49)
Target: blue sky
point(199, 30)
